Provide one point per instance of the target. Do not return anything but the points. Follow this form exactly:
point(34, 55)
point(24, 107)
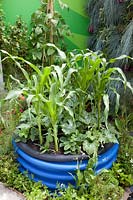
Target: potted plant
point(65, 121)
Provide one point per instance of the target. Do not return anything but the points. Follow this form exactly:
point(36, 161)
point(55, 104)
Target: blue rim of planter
point(56, 157)
point(59, 171)
point(68, 165)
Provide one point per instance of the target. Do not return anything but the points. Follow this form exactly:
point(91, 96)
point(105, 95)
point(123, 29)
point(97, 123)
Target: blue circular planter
point(60, 172)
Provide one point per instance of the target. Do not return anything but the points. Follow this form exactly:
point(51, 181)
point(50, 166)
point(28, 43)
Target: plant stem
point(99, 112)
point(55, 138)
point(37, 108)
point(40, 131)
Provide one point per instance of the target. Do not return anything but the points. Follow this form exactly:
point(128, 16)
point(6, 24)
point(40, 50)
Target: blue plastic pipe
point(63, 173)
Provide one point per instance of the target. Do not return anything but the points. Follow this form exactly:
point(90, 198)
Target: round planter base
point(51, 173)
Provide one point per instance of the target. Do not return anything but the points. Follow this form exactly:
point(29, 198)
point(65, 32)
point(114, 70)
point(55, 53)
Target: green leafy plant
point(9, 117)
point(92, 83)
point(2, 28)
point(111, 29)
point(45, 105)
point(35, 85)
point(48, 26)
point(124, 124)
point(103, 186)
point(125, 178)
point(106, 185)
point(57, 98)
point(15, 41)
point(11, 177)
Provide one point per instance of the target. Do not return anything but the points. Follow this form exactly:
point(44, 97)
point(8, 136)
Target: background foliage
point(111, 31)
point(16, 39)
point(111, 28)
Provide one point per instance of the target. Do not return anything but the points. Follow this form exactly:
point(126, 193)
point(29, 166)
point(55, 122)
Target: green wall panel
point(78, 7)
point(75, 17)
point(78, 21)
point(23, 8)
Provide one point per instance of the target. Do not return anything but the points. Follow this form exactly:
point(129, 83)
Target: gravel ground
point(126, 194)
point(8, 194)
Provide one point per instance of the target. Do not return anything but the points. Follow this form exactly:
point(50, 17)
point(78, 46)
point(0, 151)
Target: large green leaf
point(61, 53)
point(38, 30)
point(43, 79)
point(59, 72)
point(70, 111)
point(17, 81)
point(121, 73)
point(130, 87)
point(90, 148)
point(68, 127)
point(68, 77)
point(15, 58)
point(50, 51)
point(29, 99)
point(119, 58)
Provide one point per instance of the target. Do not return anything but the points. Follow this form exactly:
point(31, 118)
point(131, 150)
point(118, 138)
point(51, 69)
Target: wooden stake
point(50, 9)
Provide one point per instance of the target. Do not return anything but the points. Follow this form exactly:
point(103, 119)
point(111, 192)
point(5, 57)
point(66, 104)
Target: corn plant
point(59, 93)
point(94, 79)
point(46, 92)
point(33, 89)
point(57, 98)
